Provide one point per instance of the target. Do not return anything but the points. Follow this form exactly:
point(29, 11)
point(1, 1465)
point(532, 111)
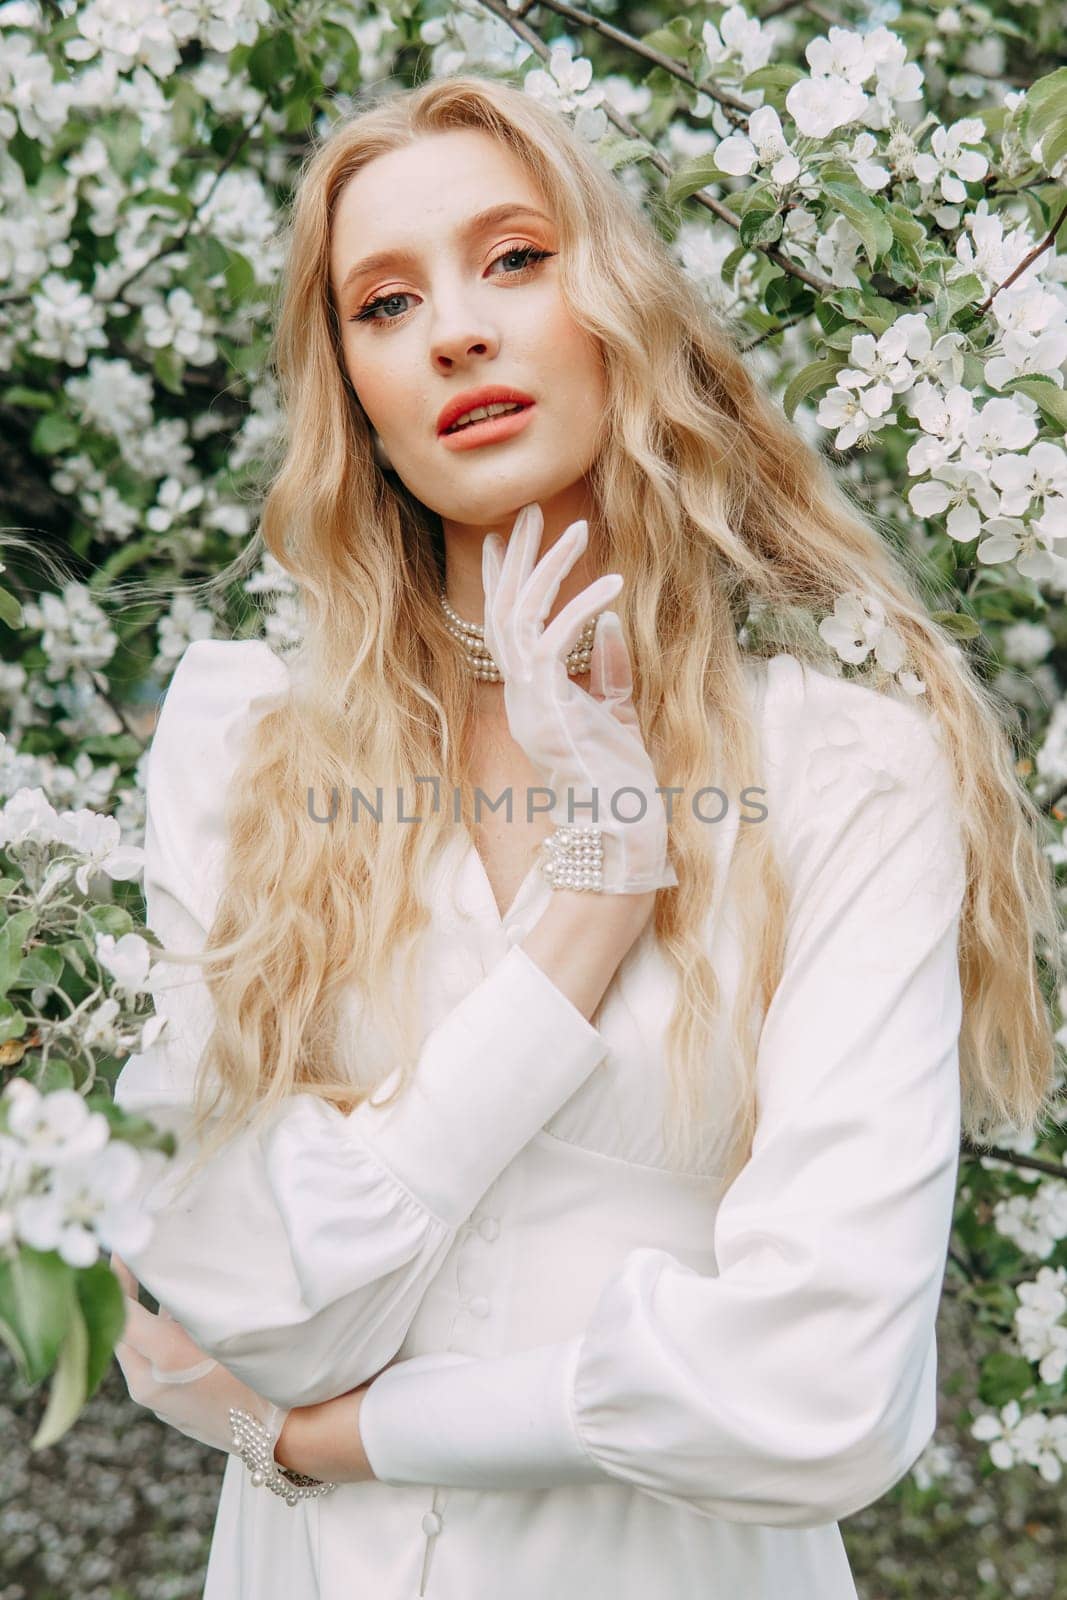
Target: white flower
point(1021, 479)
point(127, 959)
point(174, 501)
point(1009, 423)
point(765, 146)
point(1040, 1324)
point(98, 839)
point(960, 490)
point(871, 174)
point(881, 364)
point(818, 106)
point(53, 1128)
point(567, 86)
point(857, 626)
point(855, 416)
point(739, 38)
point(1009, 539)
point(83, 1208)
point(1025, 644)
point(1000, 1433)
point(951, 162)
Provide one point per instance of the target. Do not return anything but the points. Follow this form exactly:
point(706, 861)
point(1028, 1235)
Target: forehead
point(405, 197)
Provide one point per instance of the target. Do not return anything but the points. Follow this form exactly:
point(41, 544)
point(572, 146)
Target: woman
point(547, 1234)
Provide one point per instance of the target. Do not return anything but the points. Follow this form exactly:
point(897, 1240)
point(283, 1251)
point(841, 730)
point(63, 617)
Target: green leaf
point(103, 1306)
point(1044, 117)
point(168, 199)
point(55, 1074)
point(67, 1394)
point(732, 262)
point(36, 1298)
point(43, 965)
point(779, 75)
point(957, 623)
point(169, 366)
point(817, 375)
point(271, 59)
point(53, 433)
point(240, 276)
point(785, 295)
point(1004, 1377)
point(1050, 399)
point(13, 935)
point(212, 257)
point(12, 1022)
point(32, 399)
point(760, 227)
point(615, 150)
point(691, 176)
point(10, 610)
point(675, 40)
point(865, 215)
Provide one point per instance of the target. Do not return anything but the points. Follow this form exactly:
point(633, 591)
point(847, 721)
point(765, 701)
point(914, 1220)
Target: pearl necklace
point(472, 636)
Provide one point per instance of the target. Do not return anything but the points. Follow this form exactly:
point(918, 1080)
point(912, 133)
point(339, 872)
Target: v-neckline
point(485, 888)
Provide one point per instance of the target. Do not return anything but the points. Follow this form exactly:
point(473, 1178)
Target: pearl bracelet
point(574, 858)
point(254, 1444)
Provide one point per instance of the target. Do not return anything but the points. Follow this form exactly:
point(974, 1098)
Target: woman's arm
point(299, 1256)
point(799, 1384)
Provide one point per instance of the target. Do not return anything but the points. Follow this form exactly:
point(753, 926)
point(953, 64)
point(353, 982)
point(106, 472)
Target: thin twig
point(1028, 260)
point(638, 47)
point(1033, 1163)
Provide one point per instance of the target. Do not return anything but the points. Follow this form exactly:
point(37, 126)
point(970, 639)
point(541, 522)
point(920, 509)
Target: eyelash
point(531, 252)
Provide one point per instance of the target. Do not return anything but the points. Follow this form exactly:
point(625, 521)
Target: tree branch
point(1028, 260)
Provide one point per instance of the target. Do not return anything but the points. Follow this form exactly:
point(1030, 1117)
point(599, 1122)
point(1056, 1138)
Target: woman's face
point(464, 303)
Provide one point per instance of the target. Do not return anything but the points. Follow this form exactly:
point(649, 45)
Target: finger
point(562, 632)
point(537, 598)
point(610, 674)
point(520, 555)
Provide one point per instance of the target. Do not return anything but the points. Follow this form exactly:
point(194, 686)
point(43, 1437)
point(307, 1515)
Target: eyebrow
point(479, 223)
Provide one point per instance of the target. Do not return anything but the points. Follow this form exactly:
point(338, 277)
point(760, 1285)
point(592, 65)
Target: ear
point(610, 677)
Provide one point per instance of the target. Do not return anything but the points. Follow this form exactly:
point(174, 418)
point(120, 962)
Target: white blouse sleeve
point(799, 1384)
point(299, 1256)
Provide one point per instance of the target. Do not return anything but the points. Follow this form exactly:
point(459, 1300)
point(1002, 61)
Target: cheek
point(578, 358)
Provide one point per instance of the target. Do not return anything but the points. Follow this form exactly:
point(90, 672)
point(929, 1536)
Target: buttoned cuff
point(473, 1422)
point(489, 1076)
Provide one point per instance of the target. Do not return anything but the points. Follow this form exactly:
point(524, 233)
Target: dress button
point(489, 1227)
point(479, 1306)
point(431, 1523)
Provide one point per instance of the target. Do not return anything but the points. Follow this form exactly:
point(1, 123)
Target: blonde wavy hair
point(707, 501)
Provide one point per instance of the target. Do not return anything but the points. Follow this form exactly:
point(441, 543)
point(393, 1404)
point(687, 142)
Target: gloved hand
point(581, 741)
point(170, 1375)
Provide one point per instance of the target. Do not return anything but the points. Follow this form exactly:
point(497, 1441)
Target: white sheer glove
point(170, 1375)
point(587, 744)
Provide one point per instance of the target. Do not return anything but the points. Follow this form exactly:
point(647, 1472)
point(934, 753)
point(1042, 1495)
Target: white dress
point(615, 1379)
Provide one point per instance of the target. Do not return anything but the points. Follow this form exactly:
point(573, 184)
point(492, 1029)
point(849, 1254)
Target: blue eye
point(528, 254)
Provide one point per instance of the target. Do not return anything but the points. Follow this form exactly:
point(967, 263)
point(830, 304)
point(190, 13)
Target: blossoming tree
point(876, 207)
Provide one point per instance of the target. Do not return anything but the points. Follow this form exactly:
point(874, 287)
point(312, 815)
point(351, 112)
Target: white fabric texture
point(612, 1377)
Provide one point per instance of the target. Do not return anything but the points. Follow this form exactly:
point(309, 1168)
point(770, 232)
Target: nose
point(461, 330)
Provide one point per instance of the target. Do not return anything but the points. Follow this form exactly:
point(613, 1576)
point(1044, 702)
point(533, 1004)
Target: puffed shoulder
point(817, 729)
point(218, 691)
point(838, 752)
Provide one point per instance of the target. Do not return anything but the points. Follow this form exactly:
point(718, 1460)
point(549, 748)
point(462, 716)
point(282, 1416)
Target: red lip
point(489, 394)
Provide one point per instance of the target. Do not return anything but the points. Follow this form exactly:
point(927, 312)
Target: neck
point(463, 553)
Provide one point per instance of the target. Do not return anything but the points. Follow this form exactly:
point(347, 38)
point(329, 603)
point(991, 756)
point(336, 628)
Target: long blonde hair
point(707, 499)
